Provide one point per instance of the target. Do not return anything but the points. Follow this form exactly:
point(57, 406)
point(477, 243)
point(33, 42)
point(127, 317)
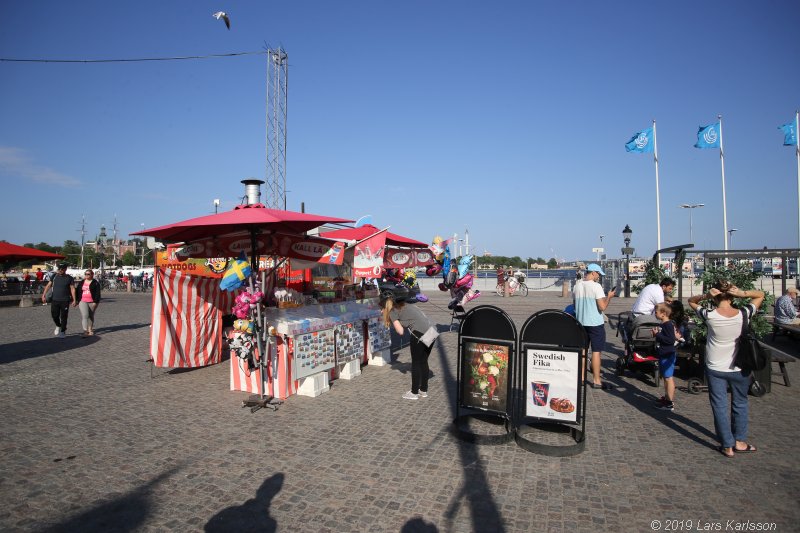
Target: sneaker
point(667, 406)
point(61, 335)
point(661, 401)
point(57, 331)
point(423, 394)
point(410, 396)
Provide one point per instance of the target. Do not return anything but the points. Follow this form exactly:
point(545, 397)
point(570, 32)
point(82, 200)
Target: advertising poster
point(368, 259)
point(551, 387)
point(485, 376)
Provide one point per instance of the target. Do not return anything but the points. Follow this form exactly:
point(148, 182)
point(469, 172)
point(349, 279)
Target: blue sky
point(508, 119)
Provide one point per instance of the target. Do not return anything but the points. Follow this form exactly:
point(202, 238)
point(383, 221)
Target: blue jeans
point(733, 428)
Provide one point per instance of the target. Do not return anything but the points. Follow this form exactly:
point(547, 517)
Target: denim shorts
point(666, 365)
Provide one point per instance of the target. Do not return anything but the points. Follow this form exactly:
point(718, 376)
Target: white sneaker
point(410, 396)
point(423, 394)
point(61, 335)
point(57, 331)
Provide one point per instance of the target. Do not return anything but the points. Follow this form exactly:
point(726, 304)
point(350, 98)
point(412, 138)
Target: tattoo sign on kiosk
point(485, 376)
point(552, 382)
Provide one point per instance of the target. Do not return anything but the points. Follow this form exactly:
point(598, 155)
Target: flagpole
point(658, 201)
point(797, 155)
point(724, 205)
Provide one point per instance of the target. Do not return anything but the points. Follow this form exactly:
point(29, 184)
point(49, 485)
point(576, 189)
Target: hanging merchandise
point(238, 271)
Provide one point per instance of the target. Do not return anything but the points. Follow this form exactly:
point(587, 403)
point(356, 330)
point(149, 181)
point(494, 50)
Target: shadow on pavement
point(126, 513)
point(121, 327)
point(418, 525)
point(252, 515)
point(17, 351)
point(475, 486)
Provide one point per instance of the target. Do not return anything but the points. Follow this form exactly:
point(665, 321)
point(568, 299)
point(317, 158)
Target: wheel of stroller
point(657, 376)
point(620, 366)
point(757, 389)
point(694, 386)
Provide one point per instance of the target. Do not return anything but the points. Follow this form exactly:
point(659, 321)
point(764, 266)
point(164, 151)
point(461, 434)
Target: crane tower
point(277, 91)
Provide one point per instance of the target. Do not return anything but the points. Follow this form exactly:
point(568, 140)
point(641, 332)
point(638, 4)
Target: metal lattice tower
point(277, 91)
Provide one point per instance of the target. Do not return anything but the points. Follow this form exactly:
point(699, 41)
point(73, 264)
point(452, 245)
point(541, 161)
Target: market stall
point(307, 336)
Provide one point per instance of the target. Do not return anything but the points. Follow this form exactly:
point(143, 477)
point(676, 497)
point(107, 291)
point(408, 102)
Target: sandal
point(726, 454)
point(748, 449)
point(603, 386)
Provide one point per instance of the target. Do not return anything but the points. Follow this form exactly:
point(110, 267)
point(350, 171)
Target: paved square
point(91, 441)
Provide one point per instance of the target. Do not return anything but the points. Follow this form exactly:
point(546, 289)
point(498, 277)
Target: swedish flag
point(237, 273)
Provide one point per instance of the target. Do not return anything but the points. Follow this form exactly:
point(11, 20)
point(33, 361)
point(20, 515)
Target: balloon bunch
point(247, 301)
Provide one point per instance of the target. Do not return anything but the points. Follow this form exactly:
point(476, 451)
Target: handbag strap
point(745, 322)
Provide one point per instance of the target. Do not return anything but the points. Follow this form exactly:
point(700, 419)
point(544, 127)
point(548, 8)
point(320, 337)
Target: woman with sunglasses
point(89, 291)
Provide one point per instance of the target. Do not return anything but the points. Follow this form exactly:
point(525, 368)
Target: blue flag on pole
point(789, 134)
point(708, 136)
point(641, 142)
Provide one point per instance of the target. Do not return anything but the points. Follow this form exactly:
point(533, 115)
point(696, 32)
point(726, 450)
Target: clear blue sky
point(505, 118)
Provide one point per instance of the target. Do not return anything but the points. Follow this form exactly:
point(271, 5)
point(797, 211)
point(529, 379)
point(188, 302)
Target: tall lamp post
point(730, 236)
point(627, 252)
point(216, 205)
point(690, 207)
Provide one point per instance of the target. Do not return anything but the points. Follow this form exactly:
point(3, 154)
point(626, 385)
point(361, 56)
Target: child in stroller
point(641, 348)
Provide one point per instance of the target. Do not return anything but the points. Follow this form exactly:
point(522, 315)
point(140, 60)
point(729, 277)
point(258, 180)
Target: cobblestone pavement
point(91, 441)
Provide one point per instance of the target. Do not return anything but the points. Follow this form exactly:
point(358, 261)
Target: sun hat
point(594, 267)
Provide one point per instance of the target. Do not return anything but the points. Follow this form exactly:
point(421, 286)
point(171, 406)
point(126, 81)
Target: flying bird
point(224, 16)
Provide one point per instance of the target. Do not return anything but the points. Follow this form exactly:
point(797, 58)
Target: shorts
point(597, 337)
point(666, 365)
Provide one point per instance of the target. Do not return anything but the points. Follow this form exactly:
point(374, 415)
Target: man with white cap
point(785, 311)
point(590, 301)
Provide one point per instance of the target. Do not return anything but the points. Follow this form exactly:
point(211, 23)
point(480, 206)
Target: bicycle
point(516, 285)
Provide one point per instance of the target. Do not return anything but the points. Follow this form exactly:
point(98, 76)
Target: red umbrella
point(244, 220)
point(12, 252)
point(367, 230)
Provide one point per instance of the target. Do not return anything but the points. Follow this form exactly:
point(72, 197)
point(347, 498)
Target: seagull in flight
point(224, 16)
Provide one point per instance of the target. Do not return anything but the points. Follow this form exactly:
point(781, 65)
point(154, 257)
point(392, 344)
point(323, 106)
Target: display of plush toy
point(245, 302)
point(245, 326)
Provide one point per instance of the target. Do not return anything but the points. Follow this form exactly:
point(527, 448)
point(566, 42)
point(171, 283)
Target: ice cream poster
point(485, 376)
point(551, 384)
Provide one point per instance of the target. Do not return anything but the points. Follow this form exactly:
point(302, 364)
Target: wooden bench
point(781, 357)
point(784, 328)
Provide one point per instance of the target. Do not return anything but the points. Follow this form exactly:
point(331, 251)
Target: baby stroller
point(641, 347)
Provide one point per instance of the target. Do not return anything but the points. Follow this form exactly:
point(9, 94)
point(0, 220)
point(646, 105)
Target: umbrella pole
point(261, 400)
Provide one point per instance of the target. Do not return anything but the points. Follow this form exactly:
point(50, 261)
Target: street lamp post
point(730, 236)
point(216, 205)
point(690, 207)
point(627, 252)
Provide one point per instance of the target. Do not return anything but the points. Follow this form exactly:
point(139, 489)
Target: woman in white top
point(724, 324)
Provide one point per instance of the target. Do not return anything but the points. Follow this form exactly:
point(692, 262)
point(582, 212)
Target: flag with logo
point(789, 134)
point(641, 142)
point(708, 136)
point(368, 259)
point(237, 273)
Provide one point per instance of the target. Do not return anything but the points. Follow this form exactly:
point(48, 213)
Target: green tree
point(129, 259)
point(552, 263)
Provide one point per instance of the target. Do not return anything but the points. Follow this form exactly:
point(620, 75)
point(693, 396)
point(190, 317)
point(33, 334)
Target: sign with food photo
point(552, 384)
point(485, 376)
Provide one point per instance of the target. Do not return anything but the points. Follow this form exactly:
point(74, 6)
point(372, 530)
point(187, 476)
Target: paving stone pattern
point(91, 441)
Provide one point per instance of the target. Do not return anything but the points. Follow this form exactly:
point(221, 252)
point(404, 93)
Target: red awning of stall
point(367, 230)
point(241, 220)
point(12, 252)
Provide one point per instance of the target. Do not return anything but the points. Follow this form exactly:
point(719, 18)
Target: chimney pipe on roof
point(252, 189)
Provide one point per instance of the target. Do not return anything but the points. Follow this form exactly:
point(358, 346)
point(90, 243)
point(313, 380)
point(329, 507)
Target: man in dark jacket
point(63, 286)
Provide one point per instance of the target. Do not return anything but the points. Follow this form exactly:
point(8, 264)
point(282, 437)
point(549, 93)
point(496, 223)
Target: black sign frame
point(555, 331)
point(489, 326)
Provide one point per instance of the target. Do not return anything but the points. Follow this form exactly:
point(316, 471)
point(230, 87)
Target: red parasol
point(12, 252)
point(242, 220)
point(367, 230)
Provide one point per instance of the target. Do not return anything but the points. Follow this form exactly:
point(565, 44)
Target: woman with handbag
point(89, 291)
point(398, 314)
point(724, 324)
